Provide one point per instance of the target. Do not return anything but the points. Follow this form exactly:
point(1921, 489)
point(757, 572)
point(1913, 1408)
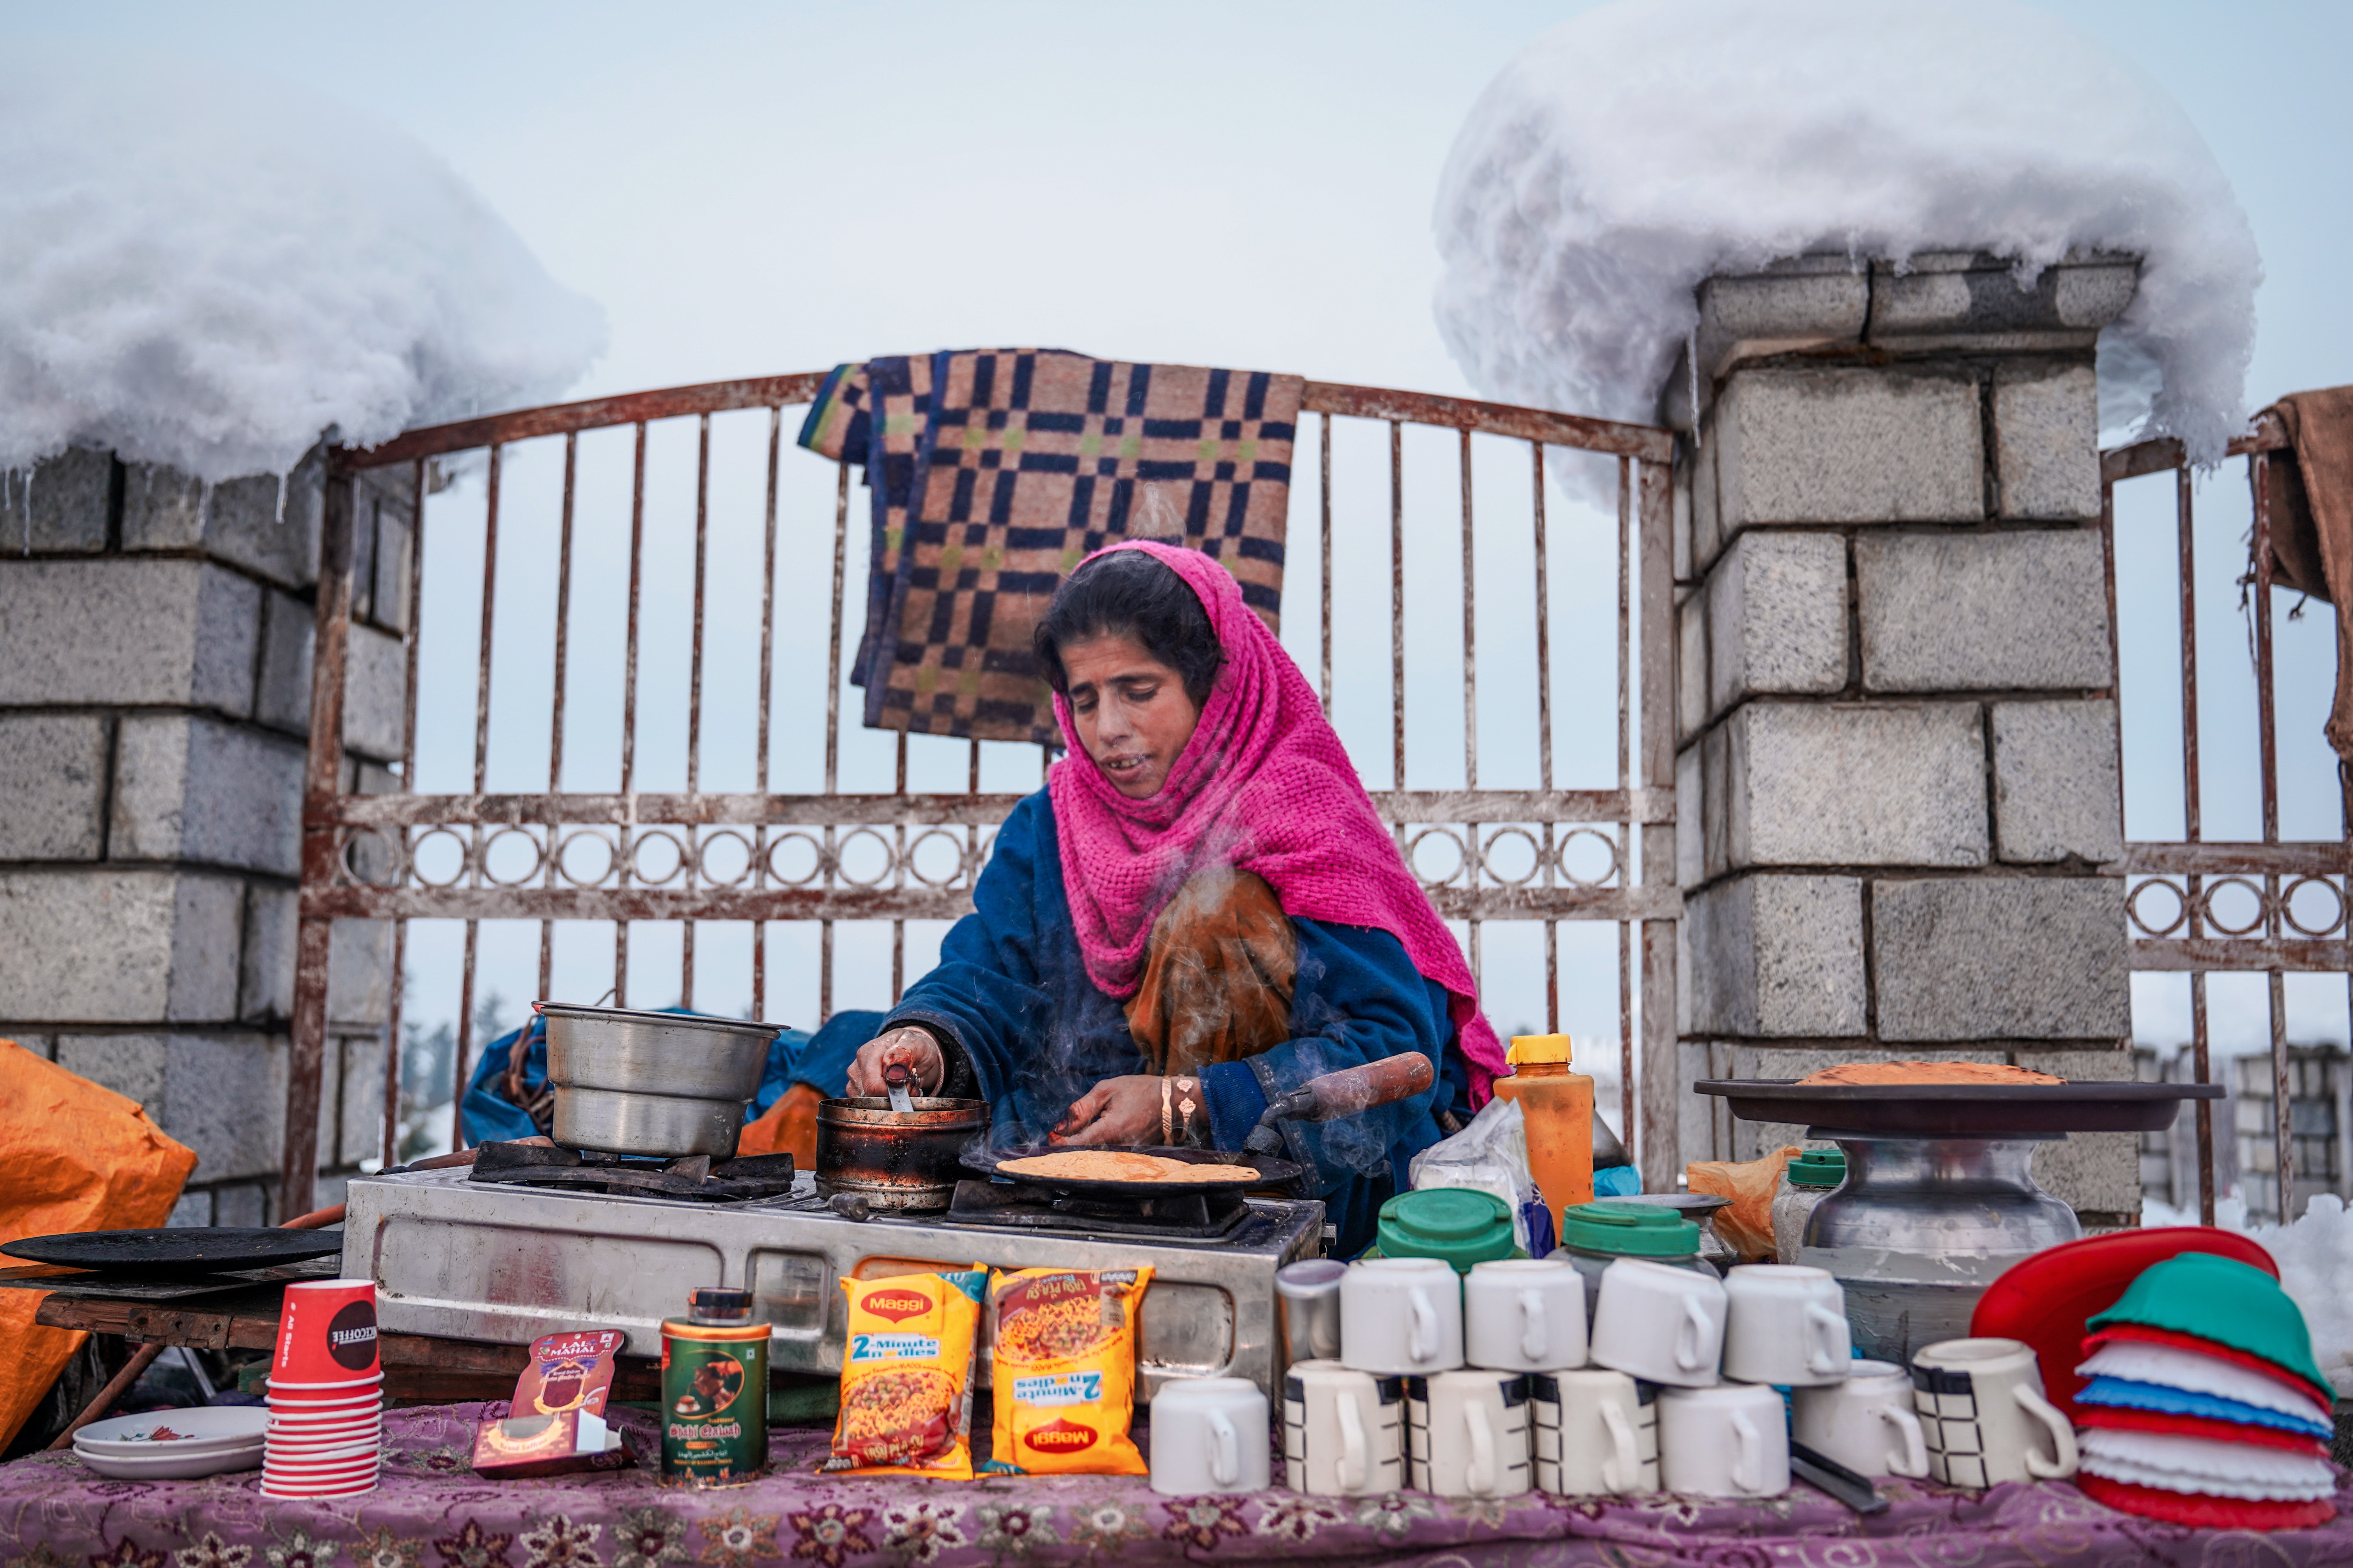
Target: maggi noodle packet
point(1064, 1371)
point(906, 1376)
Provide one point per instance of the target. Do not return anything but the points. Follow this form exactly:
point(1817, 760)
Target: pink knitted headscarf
point(1263, 785)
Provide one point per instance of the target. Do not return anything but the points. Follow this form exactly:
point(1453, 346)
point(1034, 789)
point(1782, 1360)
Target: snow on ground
point(1632, 150)
point(204, 268)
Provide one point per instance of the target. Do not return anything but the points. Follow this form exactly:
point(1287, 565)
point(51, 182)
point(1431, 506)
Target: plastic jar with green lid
point(1805, 1182)
point(1461, 1225)
point(1599, 1233)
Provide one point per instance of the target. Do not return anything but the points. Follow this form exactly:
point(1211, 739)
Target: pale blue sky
point(753, 188)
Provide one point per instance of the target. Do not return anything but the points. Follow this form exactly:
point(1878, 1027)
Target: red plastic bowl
point(2045, 1300)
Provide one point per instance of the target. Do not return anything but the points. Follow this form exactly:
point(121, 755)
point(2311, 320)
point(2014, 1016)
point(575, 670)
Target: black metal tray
point(1960, 1110)
point(1272, 1172)
point(181, 1249)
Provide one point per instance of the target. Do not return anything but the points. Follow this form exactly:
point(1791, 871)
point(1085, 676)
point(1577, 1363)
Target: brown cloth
point(1218, 975)
point(788, 1126)
point(2312, 524)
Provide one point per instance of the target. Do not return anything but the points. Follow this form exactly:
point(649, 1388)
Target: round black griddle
point(1960, 1110)
point(182, 1250)
point(1272, 1172)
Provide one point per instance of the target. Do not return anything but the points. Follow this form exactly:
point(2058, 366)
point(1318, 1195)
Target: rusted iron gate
point(359, 851)
point(2171, 887)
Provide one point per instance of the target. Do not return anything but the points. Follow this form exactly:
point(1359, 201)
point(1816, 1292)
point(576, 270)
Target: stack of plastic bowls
point(326, 1393)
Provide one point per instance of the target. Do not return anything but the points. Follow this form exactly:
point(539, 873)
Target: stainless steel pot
point(651, 1083)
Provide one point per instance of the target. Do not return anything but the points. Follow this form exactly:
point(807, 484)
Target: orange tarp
point(73, 1156)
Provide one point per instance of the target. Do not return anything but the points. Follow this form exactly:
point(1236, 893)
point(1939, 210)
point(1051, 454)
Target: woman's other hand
point(1122, 1111)
point(909, 1046)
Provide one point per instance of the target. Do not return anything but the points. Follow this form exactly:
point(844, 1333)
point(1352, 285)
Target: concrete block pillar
point(1898, 815)
point(154, 705)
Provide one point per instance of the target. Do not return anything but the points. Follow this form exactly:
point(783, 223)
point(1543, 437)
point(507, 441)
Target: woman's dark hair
point(1128, 593)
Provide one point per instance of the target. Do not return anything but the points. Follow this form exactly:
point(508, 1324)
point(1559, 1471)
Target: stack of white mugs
point(1487, 1385)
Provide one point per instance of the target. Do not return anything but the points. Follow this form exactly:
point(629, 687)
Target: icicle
point(1691, 359)
point(281, 500)
point(204, 508)
point(30, 474)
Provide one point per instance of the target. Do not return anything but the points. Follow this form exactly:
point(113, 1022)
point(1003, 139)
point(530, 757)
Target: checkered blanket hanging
point(994, 471)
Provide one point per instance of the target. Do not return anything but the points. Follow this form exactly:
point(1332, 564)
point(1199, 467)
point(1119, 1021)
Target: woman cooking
point(1200, 911)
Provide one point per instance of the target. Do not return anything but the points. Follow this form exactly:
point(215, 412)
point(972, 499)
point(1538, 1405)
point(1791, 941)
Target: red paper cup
point(365, 1414)
point(320, 1475)
point(307, 1490)
point(290, 1410)
point(279, 1417)
point(326, 1335)
point(294, 1444)
point(320, 1486)
point(326, 1458)
point(334, 1393)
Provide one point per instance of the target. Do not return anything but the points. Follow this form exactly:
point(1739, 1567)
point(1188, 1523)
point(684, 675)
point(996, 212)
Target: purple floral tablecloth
point(432, 1511)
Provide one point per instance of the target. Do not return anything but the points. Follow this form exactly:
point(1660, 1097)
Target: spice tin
point(715, 1403)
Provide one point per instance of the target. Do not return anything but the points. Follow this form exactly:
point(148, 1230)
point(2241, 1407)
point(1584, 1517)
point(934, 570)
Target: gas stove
point(506, 1262)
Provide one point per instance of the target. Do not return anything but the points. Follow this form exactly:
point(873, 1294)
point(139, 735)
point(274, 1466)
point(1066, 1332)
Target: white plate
point(205, 1428)
point(171, 1467)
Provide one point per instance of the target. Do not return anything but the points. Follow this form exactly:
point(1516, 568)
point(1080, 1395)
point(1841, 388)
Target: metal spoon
point(894, 1079)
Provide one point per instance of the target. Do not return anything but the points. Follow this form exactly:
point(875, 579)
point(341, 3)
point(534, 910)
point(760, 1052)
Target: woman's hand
point(1118, 1110)
point(911, 1046)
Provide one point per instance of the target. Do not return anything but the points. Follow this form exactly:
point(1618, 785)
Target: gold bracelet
point(1184, 1106)
point(1167, 1113)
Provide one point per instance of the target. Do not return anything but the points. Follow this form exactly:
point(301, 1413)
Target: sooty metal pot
point(651, 1083)
point(896, 1159)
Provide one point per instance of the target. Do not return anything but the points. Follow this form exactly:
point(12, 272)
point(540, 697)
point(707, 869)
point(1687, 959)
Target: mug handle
point(1423, 1346)
point(1688, 1335)
point(1622, 1470)
point(1353, 1447)
point(1532, 1342)
point(1747, 1455)
point(1480, 1477)
point(1820, 1357)
point(1224, 1450)
point(1913, 1462)
point(2062, 1436)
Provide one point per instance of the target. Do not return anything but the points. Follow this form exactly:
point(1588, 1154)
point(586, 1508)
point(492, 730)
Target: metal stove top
point(505, 1263)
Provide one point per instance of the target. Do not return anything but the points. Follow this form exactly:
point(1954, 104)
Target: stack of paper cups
point(326, 1393)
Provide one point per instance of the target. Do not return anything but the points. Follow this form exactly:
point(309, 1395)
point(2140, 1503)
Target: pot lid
point(1818, 1168)
point(1461, 1225)
point(1631, 1230)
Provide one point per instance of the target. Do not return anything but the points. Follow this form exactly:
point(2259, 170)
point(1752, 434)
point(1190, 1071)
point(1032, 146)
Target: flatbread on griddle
point(1121, 1165)
point(1926, 1073)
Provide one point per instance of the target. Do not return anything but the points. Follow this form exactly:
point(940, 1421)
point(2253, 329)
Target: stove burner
point(1181, 1216)
point(694, 1177)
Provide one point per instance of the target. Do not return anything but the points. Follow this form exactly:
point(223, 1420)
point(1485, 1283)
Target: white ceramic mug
point(1787, 1324)
point(1660, 1324)
point(1343, 1430)
point(1524, 1314)
point(1731, 1440)
point(1210, 1435)
point(1865, 1422)
point(1467, 1432)
point(1593, 1430)
point(1983, 1417)
point(1401, 1315)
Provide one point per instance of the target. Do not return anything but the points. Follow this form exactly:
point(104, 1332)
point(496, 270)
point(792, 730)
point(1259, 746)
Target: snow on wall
point(206, 269)
point(1632, 151)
